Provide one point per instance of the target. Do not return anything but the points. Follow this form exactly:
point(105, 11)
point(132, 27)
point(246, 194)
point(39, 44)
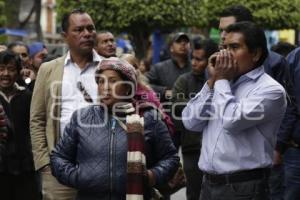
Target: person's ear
point(64, 35)
point(257, 53)
point(171, 48)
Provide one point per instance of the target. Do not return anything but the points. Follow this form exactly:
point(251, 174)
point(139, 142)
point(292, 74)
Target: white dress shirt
point(239, 122)
point(72, 98)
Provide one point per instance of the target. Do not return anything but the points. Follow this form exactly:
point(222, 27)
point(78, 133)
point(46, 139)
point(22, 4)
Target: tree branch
point(25, 21)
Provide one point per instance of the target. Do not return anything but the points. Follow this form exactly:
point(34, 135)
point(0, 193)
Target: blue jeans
point(292, 174)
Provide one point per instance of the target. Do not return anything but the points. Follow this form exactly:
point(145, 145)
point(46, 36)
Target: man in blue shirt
point(239, 110)
point(275, 65)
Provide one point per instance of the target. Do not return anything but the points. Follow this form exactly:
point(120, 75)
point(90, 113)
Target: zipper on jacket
point(112, 127)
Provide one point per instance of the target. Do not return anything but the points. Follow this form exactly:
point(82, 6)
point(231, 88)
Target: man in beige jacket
point(61, 87)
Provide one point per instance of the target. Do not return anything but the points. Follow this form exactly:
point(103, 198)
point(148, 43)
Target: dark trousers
point(292, 174)
point(276, 182)
point(19, 187)
point(193, 175)
point(248, 190)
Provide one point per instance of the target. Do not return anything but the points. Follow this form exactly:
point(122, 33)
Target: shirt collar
point(255, 73)
point(252, 75)
point(17, 89)
point(96, 58)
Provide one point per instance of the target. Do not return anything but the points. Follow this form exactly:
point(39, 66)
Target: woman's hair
point(141, 79)
point(11, 45)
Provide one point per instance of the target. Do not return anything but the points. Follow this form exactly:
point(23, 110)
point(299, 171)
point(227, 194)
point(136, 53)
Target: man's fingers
point(228, 63)
point(231, 62)
point(218, 60)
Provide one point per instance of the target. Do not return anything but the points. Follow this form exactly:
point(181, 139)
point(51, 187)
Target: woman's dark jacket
point(92, 155)
point(17, 156)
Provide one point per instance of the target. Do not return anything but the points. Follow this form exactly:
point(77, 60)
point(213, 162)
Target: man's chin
point(4, 86)
point(107, 102)
point(197, 72)
point(108, 55)
point(183, 54)
point(86, 50)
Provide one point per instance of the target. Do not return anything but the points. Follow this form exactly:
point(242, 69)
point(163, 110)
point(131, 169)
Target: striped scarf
point(136, 160)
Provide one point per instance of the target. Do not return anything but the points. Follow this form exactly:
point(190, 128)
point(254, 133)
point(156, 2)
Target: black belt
point(241, 176)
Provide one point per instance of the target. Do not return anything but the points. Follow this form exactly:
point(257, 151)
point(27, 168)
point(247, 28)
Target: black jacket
point(163, 75)
point(92, 157)
point(17, 157)
point(185, 88)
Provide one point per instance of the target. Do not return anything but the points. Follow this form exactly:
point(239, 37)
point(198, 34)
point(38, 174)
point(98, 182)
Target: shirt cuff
point(204, 92)
point(204, 95)
point(222, 86)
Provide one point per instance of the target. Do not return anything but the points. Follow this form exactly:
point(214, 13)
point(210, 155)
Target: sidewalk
point(180, 195)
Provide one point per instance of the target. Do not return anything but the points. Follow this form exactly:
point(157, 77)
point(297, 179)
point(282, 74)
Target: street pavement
point(180, 195)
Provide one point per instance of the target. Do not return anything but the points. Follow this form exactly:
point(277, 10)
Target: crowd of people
point(89, 125)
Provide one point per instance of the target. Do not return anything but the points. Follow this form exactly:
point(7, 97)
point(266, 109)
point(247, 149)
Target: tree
point(276, 14)
point(2, 17)
point(140, 17)
point(37, 21)
point(12, 10)
point(137, 17)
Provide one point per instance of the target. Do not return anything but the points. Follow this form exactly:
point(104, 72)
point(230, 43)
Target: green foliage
point(2, 16)
point(145, 14)
point(11, 11)
point(140, 17)
point(150, 14)
point(276, 14)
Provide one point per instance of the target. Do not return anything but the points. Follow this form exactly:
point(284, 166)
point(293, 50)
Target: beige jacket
point(45, 111)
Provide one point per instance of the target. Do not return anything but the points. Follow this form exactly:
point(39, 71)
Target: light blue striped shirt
point(239, 122)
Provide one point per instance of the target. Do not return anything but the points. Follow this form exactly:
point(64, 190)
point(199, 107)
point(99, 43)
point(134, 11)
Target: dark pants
point(176, 139)
point(193, 175)
point(248, 190)
point(292, 174)
point(276, 182)
point(19, 187)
